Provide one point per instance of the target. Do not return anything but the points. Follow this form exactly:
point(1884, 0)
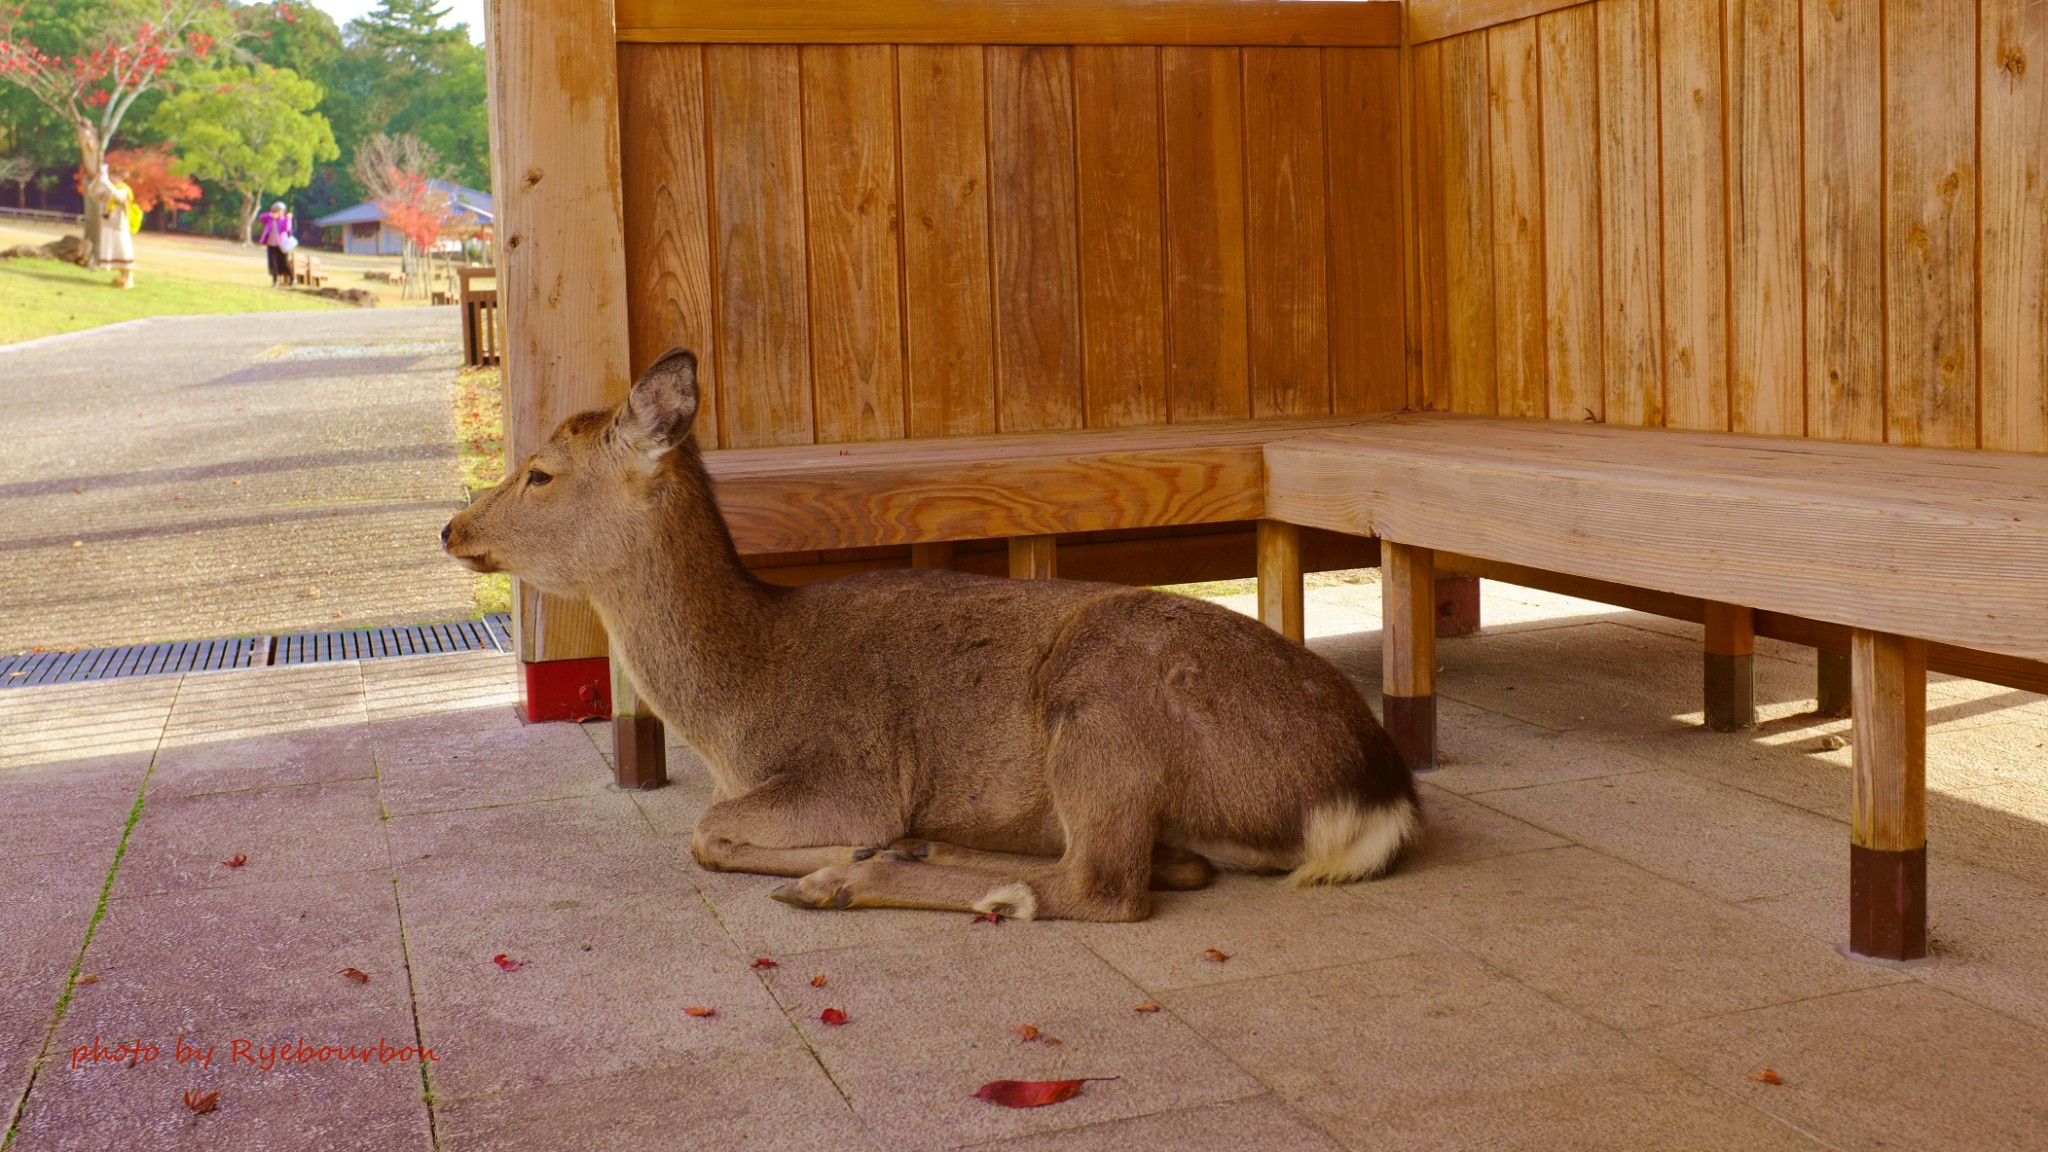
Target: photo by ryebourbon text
point(260, 1056)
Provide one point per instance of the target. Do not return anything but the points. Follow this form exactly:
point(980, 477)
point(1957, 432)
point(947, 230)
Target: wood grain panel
point(1930, 224)
point(666, 188)
point(1571, 214)
point(757, 178)
point(1432, 260)
point(1844, 194)
point(1468, 227)
point(850, 187)
point(1123, 294)
point(1033, 235)
point(2015, 224)
point(1514, 103)
point(1368, 356)
point(1202, 99)
point(1631, 250)
point(1287, 232)
point(1694, 176)
point(1180, 22)
point(949, 340)
point(1436, 19)
point(1766, 258)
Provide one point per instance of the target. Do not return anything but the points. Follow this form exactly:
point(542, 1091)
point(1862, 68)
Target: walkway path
point(197, 477)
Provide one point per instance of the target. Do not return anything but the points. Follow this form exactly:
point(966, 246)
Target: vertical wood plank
point(2014, 71)
point(1631, 266)
point(1767, 263)
point(1571, 213)
point(555, 160)
point(1202, 96)
point(1694, 179)
point(1123, 294)
point(1888, 797)
point(1368, 357)
point(850, 187)
point(1930, 223)
point(1034, 558)
point(1468, 227)
point(1034, 236)
point(1280, 588)
point(668, 215)
point(1408, 651)
point(1432, 276)
point(1844, 113)
point(1287, 232)
point(1514, 102)
point(757, 176)
point(949, 362)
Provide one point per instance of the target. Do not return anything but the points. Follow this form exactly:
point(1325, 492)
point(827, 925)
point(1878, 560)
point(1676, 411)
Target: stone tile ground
point(1618, 921)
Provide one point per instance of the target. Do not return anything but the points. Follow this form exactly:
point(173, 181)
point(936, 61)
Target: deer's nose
point(444, 532)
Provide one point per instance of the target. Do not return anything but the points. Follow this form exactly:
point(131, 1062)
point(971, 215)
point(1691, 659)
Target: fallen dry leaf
point(88, 979)
point(1147, 1006)
point(1025, 1033)
point(763, 962)
point(699, 1011)
point(1051, 1041)
point(1032, 1093)
point(237, 860)
point(1768, 1076)
point(202, 1102)
point(1216, 954)
point(832, 1016)
point(989, 918)
point(507, 963)
point(357, 975)
point(818, 981)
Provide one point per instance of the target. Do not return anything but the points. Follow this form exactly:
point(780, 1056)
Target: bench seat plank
point(823, 496)
point(1949, 546)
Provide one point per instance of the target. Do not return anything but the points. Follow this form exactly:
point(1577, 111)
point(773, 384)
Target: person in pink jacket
point(278, 241)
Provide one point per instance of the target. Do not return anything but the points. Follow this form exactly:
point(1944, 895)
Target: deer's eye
point(535, 477)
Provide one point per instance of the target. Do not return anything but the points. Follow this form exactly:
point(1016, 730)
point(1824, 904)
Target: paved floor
point(1617, 923)
point(198, 477)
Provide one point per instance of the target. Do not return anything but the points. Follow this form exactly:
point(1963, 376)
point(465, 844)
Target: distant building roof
point(471, 206)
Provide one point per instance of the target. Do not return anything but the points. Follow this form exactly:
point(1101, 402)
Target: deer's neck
point(690, 619)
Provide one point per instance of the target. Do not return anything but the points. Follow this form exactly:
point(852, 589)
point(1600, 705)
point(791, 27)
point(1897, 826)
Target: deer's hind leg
point(785, 827)
point(1174, 869)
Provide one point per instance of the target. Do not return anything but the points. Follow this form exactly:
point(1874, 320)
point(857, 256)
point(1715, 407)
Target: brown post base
point(639, 747)
point(1731, 692)
point(1888, 903)
point(1457, 605)
point(1410, 722)
point(1831, 682)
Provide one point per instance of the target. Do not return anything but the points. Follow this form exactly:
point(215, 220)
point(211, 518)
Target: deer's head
point(583, 507)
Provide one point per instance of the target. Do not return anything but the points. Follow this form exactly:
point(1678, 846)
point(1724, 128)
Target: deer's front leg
point(783, 828)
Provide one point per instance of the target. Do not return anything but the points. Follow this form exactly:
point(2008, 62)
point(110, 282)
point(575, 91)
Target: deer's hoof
point(814, 891)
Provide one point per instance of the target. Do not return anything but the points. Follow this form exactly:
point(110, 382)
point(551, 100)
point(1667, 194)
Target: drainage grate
point(491, 634)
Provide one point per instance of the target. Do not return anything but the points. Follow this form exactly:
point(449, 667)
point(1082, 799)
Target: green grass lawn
point(46, 297)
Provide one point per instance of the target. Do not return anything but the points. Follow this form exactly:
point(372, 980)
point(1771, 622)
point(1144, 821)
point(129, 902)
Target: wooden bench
point(481, 337)
point(306, 270)
point(1899, 546)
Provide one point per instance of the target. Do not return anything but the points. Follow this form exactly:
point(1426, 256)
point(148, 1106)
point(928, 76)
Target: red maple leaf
point(202, 1102)
point(700, 1011)
point(1032, 1093)
point(507, 963)
point(832, 1016)
point(237, 860)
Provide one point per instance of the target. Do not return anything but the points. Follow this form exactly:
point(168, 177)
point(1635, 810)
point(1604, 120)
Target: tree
point(90, 63)
point(403, 73)
point(16, 170)
point(248, 130)
point(155, 177)
point(403, 173)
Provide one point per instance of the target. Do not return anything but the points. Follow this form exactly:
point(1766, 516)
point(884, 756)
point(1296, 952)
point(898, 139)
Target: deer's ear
point(658, 414)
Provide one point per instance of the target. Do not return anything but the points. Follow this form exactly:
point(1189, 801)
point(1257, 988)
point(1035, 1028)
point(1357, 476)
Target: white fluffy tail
point(1347, 841)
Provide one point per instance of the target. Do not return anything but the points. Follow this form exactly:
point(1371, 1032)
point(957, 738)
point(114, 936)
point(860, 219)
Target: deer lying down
point(927, 739)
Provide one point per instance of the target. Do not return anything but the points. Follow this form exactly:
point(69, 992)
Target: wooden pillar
point(1457, 605)
point(1730, 667)
point(554, 121)
point(1408, 651)
point(1888, 810)
point(1280, 578)
point(1033, 558)
point(931, 555)
point(1831, 683)
point(639, 747)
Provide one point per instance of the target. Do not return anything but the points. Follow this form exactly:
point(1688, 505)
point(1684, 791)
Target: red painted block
point(573, 690)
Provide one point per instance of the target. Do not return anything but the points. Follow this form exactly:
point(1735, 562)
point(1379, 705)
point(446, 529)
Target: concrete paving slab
point(1262, 1122)
point(1456, 829)
point(1437, 1051)
point(484, 756)
point(73, 808)
point(183, 842)
point(296, 724)
point(52, 724)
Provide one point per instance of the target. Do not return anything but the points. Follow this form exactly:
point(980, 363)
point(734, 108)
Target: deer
point(924, 738)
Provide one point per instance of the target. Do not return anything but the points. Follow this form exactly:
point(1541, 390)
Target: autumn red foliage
point(1032, 1093)
point(152, 175)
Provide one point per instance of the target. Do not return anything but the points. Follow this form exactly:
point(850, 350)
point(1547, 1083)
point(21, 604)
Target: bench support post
point(1033, 558)
point(1457, 605)
point(931, 555)
point(1831, 683)
point(1408, 651)
point(1730, 667)
point(639, 750)
point(1280, 605)
point(1888, 821)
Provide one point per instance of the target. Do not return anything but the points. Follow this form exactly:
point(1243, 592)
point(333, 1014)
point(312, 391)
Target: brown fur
point(1045, 748)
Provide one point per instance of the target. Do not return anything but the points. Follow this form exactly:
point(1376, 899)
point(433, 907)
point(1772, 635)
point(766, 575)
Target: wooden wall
point(876, 240)
point(1825, 218)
